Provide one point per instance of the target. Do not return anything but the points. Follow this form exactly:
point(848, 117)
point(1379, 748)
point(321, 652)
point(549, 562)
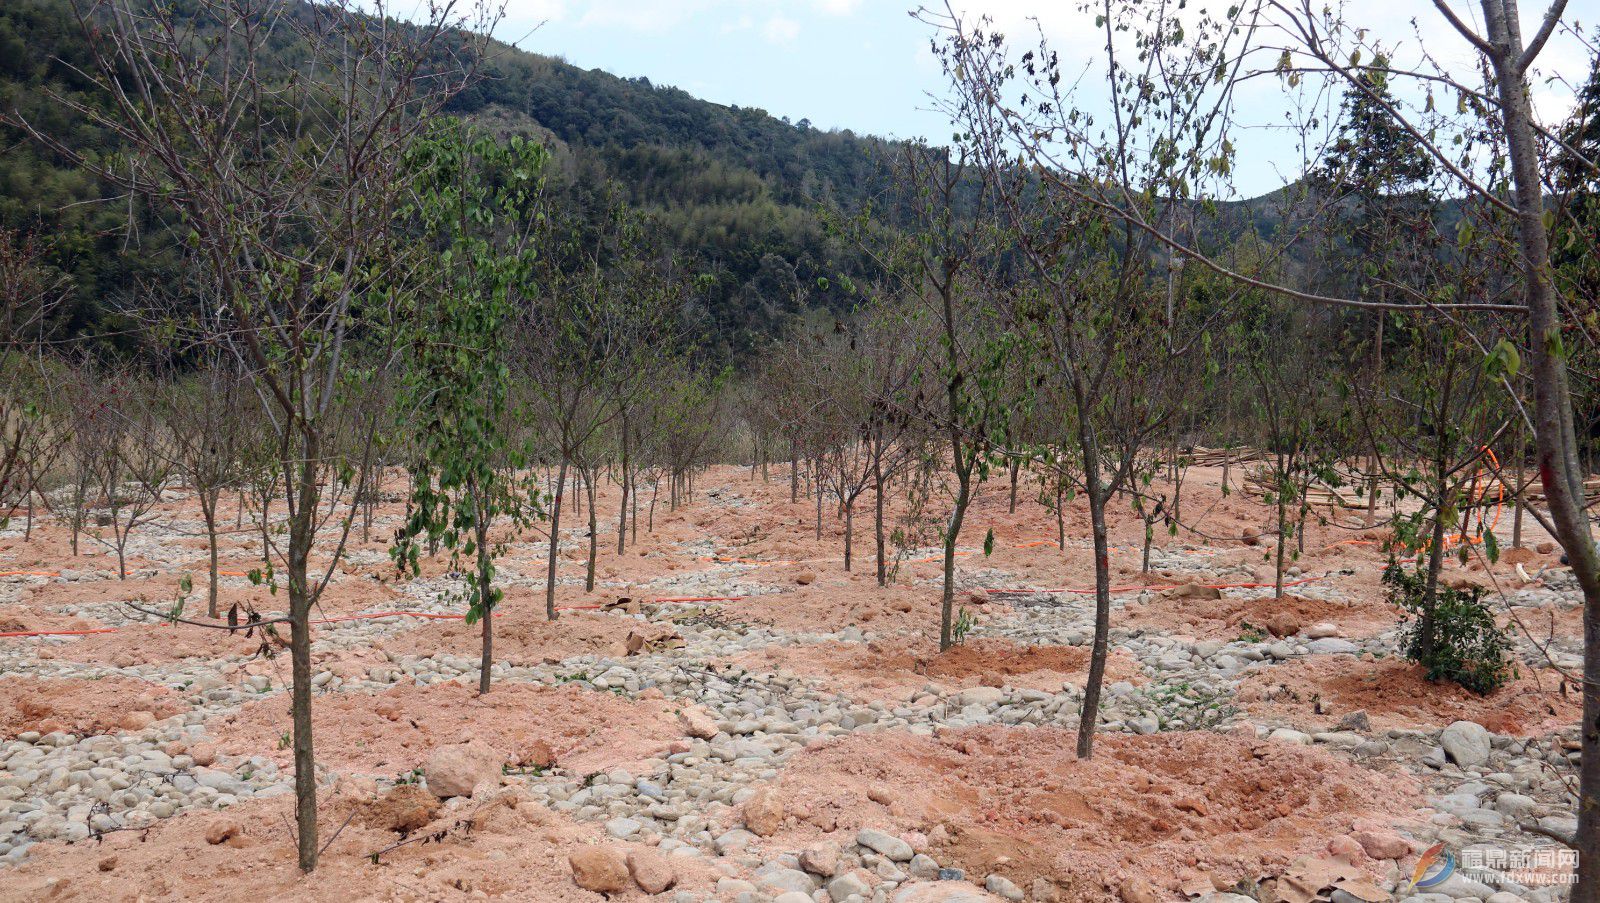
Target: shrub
point(1467, 646)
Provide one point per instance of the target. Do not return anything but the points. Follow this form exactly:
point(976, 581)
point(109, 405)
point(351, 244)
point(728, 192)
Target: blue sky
point(865, 64)
point(841, 64)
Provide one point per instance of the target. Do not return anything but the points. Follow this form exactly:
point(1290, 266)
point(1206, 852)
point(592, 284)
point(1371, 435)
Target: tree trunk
point(208, 512)
point(794, 472)
point(594, 533)
point(627, 491)
point(1554, 434)
point(1089, 719)
point(301, 536)
point(818, 487)
point(877, 521)
point(1061, 519)
point(1372, 457)
point(1283, 524)
point(486, 603)
point(555, 542)
point(849, 531)
point(1016, 465)
point(958, 514)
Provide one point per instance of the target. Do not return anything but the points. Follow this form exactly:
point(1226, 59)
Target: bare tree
point(287, 186)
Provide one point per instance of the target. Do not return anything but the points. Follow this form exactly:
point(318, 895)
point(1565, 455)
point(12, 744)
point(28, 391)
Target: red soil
point(506, 848)
point(523, 635)
point(883, 670)
point(1394, 693)
point(393, 732)
point(1166, 808)
point(79, 707)
point(1224, 618)
point(153, 644)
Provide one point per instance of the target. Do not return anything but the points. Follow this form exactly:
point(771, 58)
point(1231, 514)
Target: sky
point(866, 65)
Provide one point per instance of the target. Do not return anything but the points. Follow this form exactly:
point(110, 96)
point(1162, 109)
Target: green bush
point(1467, 646)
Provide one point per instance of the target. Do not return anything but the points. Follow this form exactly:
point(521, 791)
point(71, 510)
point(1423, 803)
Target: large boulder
point(456, 770)
point(651, 870)
point(1466, 743)
point(600, 869)
point(403, 809)
point(763, 813)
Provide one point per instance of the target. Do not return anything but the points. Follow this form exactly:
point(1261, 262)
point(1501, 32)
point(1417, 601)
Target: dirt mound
point(1229, 618)
point(507, 848)
point(880, 670)
point(1165, 808)
point(79, 707)
point(25, 618)
point(392, 732)
point(1394, 693)
point(523, 636)
point(154, 644)
point(834, 603)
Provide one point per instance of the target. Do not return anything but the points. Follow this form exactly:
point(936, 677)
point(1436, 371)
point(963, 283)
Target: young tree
point(288, 186)
point(205, 428)
point(1174, 76)
point(479, 201)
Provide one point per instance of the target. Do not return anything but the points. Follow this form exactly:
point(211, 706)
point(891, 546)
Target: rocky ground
point(797, 737)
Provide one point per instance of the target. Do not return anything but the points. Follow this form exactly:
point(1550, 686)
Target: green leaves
point(477, 196)
point(1503, 360)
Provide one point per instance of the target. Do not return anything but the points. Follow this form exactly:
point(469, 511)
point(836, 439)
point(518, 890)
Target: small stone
point(222, 831)
point(1332, 646)
point(405, 808)
point(1382, 844)
point(697, 724)
point(1002, 886)
point(820, 859)
point(1355, 721)
point(1138, 890)
point(622, 828)
point(203, 754)
point(885, 844)
point(780, 881)
point(1466, 743)
point(849, 883)
point(1283, 624)
point(136, 721)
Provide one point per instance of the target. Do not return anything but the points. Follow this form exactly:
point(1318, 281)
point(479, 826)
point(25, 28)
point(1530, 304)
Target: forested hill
point(735, 191)
point(736, 188)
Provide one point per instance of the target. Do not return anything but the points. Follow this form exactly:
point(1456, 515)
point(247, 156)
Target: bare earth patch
point(393, 732)
point(1225, 618)
point(523, 636)
point(883, 670)
point(1166, 808)
point(1395, 694)
point(154, 644)
point(507, 848)
point(27, 618)
point(79, 706)
point(832, 603)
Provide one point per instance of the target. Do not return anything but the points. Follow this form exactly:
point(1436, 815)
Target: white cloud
point(780, 30)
